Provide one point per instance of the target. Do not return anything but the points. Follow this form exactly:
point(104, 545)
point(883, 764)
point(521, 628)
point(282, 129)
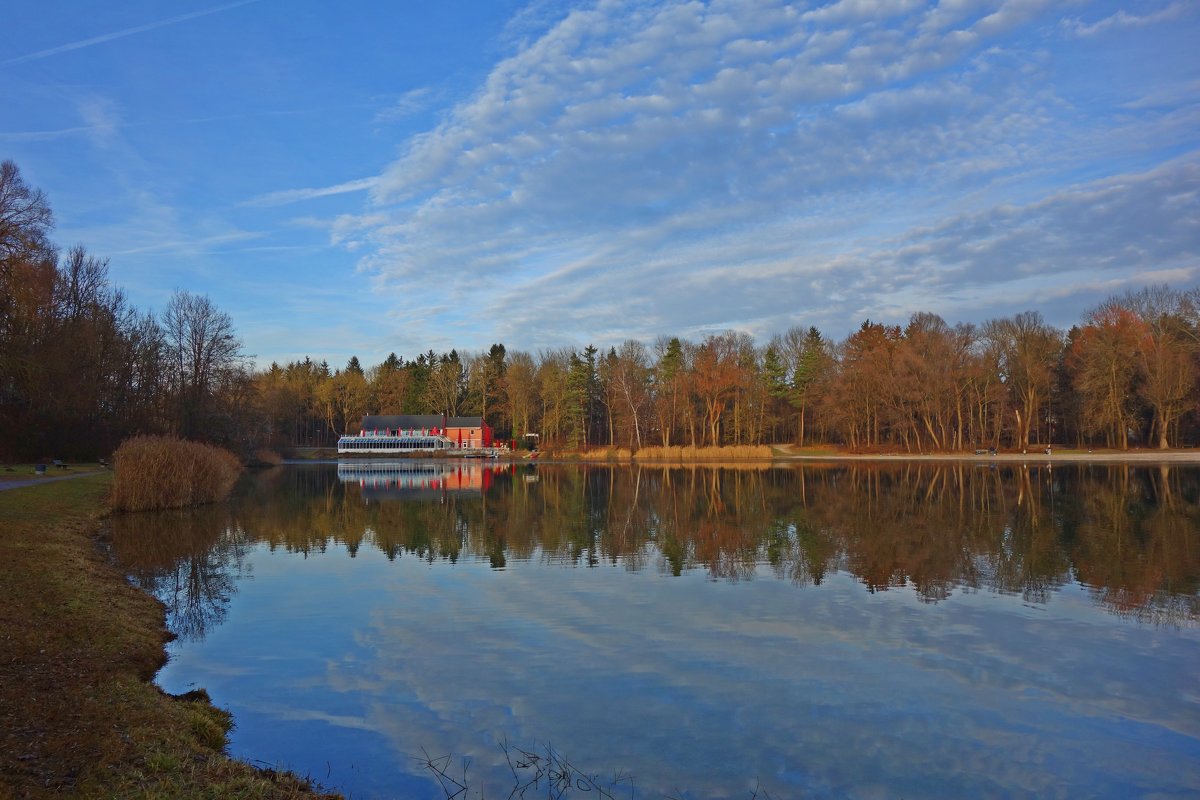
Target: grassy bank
point(78, 713)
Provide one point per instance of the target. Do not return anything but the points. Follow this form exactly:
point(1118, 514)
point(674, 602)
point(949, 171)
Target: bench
point(58, 462)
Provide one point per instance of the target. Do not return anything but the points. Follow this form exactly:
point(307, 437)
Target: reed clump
point(686, 454)
point(165, 472)
point(267, 458)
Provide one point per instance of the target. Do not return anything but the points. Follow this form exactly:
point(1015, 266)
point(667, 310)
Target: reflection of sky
point(347, 667)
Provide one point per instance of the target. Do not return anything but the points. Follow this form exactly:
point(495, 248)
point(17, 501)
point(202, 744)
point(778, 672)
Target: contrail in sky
point(108, 37)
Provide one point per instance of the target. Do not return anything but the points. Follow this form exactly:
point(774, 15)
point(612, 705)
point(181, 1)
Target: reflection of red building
point(468, 432)
point(407, 479)
point(468, 477)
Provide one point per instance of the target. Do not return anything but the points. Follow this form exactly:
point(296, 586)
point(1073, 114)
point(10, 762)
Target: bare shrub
point(165, 472)
point(268, 457)
point(680, 455)
point(541, 772)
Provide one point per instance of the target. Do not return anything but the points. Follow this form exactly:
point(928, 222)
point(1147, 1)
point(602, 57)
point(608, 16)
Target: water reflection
point(837, 631)
point(1130, 535)
point(414, 480)
point(189, 559)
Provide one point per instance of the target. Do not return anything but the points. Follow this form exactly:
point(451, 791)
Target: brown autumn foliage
point(166, 472)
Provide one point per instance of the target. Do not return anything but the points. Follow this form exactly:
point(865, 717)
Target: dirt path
point(17, 483)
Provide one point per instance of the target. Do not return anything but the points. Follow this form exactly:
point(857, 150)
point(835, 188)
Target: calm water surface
point(866, 631)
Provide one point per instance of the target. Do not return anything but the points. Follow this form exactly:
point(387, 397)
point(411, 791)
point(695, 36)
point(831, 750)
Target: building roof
point(408, 422)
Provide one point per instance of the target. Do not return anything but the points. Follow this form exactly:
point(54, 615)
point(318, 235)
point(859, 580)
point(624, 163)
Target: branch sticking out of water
point(543, 772)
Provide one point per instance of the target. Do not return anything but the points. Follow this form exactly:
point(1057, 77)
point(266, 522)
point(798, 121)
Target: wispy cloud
point(533, 21)
point(409, 103)
point(103, 119)
point(49, 135)
point(1123, 19)
point(286, 196)
point(121, 34)
point(189, 246)
point(106, 124)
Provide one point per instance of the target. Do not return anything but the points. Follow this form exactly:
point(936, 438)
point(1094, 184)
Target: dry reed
point(165, 472)
point(686, 454)
point(267, 457)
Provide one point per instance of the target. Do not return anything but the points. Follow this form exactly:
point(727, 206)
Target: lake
point(867, 630)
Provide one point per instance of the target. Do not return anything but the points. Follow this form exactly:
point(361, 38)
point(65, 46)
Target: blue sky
point(362, 178)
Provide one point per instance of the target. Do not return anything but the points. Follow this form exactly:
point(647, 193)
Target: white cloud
point(656, 168)
point(286, 196)
point(861, 10)
point(1123, 19)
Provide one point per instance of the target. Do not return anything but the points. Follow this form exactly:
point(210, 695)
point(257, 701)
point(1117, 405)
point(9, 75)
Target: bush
point(165, 472)
point(267, 458)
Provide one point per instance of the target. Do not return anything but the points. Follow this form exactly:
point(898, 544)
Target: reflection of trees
point(189, 559)
point(1130, 535)
point(1135, 542)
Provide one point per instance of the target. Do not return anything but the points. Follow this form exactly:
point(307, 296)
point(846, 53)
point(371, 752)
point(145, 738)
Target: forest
point(81, 369)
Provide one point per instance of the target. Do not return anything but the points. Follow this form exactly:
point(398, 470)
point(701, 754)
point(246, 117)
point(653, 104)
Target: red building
point(467, 432)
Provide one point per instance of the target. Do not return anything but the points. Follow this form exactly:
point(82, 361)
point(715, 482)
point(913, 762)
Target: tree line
point(81, 369)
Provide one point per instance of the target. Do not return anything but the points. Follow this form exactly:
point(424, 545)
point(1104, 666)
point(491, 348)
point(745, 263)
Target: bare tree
point(444, 391)
point(25, 218)
point(719, 376)
point(630, 382)
point(1028, 349)
point(202, 347)
point(27, 272)
point(1167, 354)
point(1104, 363)
point(552, 388)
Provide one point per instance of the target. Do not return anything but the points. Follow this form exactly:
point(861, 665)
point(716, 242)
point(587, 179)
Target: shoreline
point(1104, 457)
point(80, 713)
point(783, 456)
